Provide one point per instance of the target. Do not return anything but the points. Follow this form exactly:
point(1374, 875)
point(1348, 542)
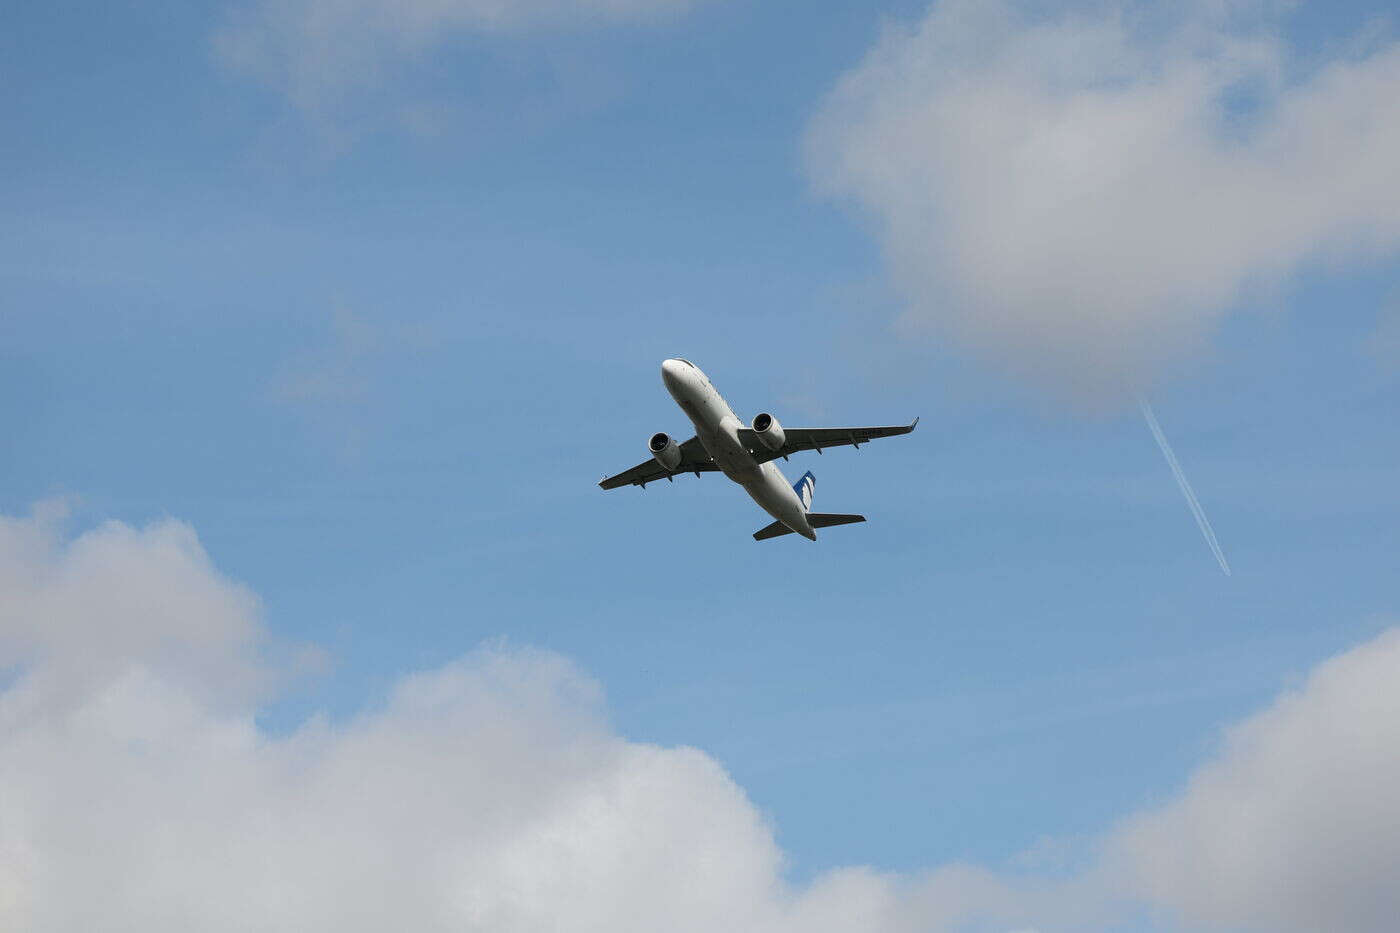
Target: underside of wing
point(800, 439)
point(694, 459)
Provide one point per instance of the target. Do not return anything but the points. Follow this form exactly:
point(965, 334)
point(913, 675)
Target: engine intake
point(665, 451)
point(769, 431)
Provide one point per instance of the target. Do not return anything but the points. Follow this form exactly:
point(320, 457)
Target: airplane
point(745, 454)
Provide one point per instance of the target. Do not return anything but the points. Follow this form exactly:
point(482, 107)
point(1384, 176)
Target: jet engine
point(665, 451)
point(770, 433)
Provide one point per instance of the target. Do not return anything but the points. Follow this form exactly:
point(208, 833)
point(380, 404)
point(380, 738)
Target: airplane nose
point(671, 371)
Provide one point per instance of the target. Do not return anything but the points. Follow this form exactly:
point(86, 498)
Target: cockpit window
point(686, 362)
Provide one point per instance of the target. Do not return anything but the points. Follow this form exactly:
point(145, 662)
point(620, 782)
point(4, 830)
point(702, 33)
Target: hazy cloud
point(333, 372)
point(337, 381)
point(1079, 197)
point(317, 50)
point(1384, 342)
point(137, 791)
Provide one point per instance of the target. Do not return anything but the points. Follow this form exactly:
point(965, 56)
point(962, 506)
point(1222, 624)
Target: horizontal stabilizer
point(815, 519)
point(775, 530)
point(827, 519)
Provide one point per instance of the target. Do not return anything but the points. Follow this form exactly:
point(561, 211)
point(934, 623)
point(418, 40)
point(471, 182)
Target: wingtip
point(914, 424)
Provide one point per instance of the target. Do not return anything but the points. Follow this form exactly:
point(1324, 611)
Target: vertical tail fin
point(804, 488)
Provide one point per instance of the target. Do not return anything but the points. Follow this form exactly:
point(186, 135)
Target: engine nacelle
point(770, 433)
point(665, 451)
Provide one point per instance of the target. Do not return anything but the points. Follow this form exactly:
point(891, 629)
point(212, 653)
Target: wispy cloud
point(337, 382)
point(318, 52)
point(1384, 342)
point(334, 371)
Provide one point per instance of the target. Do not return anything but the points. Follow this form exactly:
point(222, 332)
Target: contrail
point(1186, 490)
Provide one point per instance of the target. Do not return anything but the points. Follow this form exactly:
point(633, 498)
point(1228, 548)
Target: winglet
point(914, 424)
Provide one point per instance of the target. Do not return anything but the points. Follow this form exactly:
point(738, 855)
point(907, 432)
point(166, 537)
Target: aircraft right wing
point(799, 439)
point(694, 459)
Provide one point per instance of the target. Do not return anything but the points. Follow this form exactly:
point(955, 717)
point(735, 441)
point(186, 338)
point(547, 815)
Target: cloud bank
point(1080, 197)
point(317, 50)
point(138, 792)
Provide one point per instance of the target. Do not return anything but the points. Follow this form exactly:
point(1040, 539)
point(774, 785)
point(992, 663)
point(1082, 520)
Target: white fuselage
point(717, 427)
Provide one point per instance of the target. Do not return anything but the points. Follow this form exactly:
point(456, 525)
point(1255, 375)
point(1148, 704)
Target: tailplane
point(815, 519)
point(775, 530)
point(827, 519)
point(804, 489)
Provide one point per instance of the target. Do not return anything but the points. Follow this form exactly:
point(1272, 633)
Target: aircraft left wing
point(694, 459)
point(799, 439)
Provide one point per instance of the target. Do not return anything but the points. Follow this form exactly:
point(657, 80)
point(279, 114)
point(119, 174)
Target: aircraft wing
point(694, 459)
point(799, 439)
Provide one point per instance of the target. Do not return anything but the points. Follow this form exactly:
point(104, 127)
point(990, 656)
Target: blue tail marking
point(804, 489)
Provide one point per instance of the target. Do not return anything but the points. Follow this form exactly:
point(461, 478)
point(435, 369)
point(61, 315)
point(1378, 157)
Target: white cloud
point(316, 50)
point(137, 792)
point(1296, 826)
point(1080, 197)
point(89, 611)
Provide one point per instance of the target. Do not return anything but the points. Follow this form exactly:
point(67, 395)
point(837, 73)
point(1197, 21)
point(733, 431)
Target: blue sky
point(377, 352)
